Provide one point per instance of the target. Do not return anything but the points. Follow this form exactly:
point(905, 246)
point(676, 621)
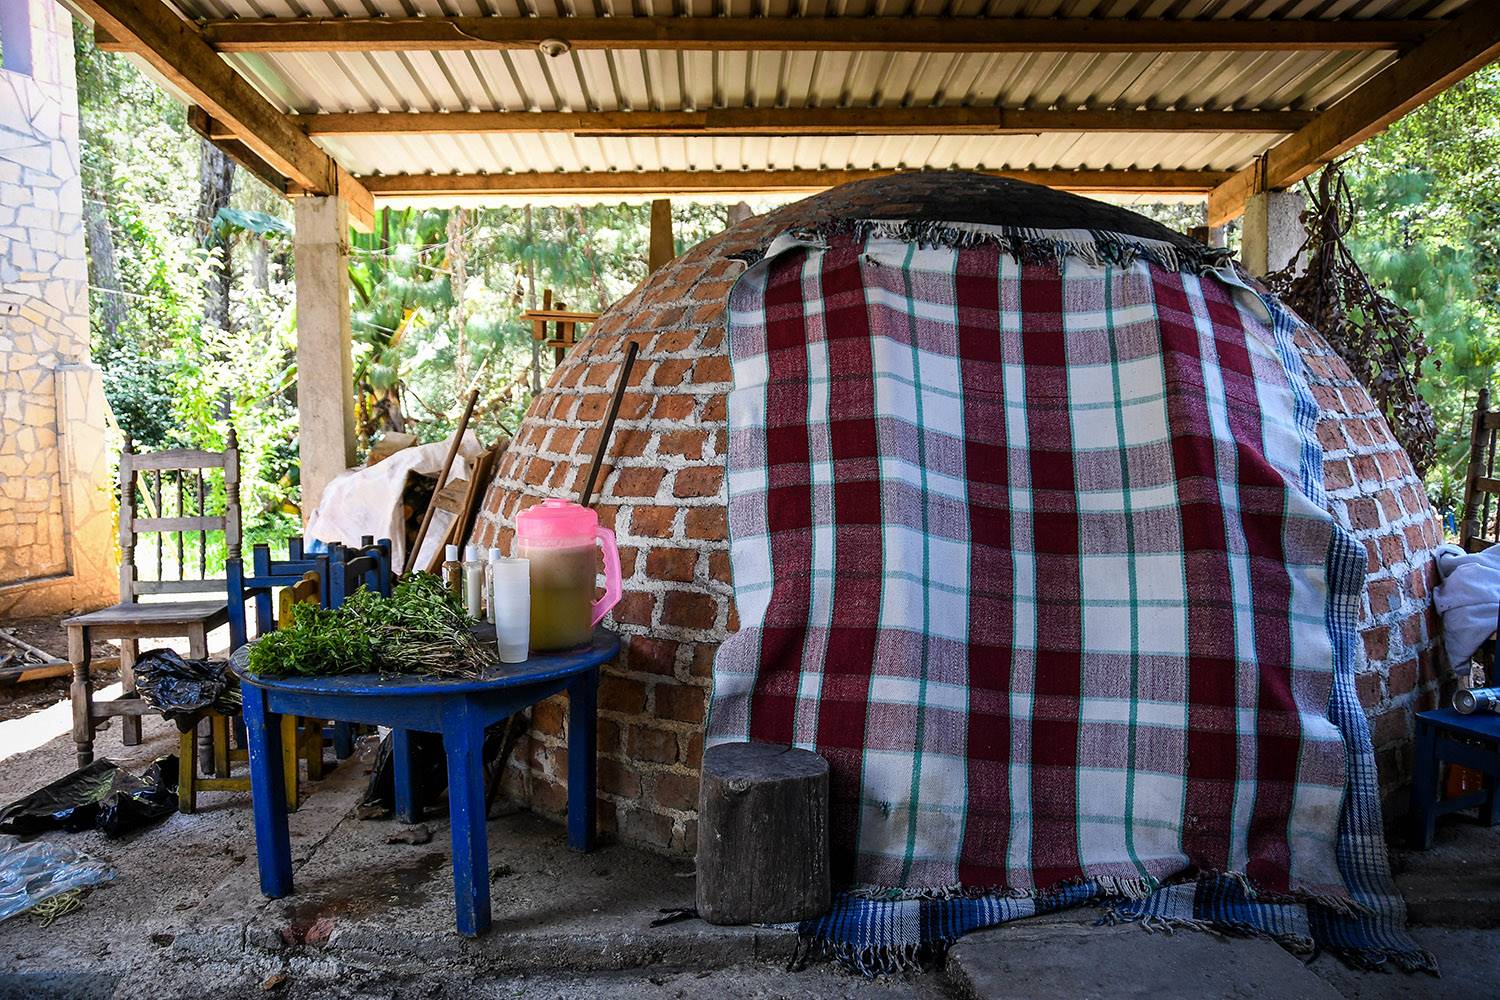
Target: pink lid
point(557, 520)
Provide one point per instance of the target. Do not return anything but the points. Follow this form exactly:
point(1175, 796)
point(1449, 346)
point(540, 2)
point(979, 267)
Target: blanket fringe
point(1098, 248)
point(1297, 944)
point(1127, 888)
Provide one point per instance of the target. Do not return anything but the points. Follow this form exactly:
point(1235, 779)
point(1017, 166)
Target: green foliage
point(1428, 191)
point(419, 629)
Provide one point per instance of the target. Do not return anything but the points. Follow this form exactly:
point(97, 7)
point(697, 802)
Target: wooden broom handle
point(609, 422)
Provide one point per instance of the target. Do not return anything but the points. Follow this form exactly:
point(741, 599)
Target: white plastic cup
point(511, 599)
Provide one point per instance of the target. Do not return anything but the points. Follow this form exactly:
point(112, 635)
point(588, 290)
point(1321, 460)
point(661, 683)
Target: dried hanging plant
point(1376, 337)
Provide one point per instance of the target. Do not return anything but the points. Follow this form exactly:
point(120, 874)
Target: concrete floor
point(374, 919)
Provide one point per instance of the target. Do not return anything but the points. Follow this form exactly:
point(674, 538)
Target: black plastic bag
point(102, 795)
point(180, 689)
point(155, 799)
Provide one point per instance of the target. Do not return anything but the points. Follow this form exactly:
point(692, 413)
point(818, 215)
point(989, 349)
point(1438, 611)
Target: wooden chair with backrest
point(165, 500)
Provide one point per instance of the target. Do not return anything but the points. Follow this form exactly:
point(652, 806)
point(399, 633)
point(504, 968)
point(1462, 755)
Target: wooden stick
point(20, 643)
point(609, 421)
point(458, 436)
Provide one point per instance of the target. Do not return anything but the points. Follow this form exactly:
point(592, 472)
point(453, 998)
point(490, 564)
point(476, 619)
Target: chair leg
point(289, 767)
point(130, 725)
point(187, 771)
point(82, 693)
point(403, 781)
point(198, 650)
point(219, 730)
point(312, 748)
point(343, 740)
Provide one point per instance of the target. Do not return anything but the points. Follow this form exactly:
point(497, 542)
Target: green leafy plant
point(419, 629)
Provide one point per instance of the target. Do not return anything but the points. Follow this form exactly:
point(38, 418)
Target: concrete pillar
point(1273, 231)
point(662, 247)
point(325, 361)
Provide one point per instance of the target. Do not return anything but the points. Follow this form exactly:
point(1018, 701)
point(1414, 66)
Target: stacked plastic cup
point(511, 599)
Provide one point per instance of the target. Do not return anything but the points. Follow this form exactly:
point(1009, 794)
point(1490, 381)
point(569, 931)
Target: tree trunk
point(215, 182)
point(103, 274)
point(588, 254)
point(536, 347)
point(458, 277)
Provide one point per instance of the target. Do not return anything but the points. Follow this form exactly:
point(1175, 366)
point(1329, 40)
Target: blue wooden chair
point(1444, 736)
point(368, 566)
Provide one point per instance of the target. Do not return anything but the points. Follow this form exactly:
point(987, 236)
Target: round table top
point(540, 667)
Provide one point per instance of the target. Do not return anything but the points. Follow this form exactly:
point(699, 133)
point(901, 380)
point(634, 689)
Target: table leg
point(273, 846)
point(80, 651)
point(583, 734)
point(463, 743)
point(130, 725)
point(403, 780)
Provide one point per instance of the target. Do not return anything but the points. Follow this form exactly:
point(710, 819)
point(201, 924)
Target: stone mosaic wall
point(56, 549)
point(663, 493)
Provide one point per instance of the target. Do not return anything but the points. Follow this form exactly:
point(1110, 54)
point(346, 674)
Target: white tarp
point(367, 501)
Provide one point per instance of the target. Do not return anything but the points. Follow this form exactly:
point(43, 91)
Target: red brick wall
point(662, 491)
point(1376, 493)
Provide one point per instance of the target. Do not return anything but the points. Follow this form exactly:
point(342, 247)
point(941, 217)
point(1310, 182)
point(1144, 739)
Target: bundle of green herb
point(419, 629)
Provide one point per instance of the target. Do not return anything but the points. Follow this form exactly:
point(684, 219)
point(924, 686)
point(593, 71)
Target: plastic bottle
point(473, 581)
point(489, 584)
point(453, 572)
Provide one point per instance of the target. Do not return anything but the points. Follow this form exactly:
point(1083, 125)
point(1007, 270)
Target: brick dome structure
point(663, 493)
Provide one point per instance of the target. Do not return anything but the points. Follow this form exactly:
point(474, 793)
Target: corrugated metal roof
point(663, 80)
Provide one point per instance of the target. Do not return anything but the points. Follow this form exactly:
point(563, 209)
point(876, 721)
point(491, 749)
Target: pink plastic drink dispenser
point(558, 536)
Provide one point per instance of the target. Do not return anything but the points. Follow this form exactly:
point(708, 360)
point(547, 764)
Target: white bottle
point(473, 582)
point(510, 599)
point(489, 584)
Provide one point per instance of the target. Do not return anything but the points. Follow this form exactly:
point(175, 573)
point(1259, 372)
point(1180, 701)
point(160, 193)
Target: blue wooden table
point(459, 710)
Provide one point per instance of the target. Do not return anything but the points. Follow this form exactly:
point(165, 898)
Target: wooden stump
point(762, 834)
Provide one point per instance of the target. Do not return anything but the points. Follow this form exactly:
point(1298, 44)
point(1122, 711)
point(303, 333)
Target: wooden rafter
point(200, 122)
point(684, 182)
point(174, 49)
point(805, 121)
point(1463, 45)
point(905, 34)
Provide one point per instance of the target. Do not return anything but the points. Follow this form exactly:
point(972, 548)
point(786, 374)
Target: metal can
point(1477, 700)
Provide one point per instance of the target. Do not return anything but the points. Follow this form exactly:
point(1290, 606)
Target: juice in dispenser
point(559, 538)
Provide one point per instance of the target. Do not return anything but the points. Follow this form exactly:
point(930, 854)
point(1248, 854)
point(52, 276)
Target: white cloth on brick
point(1468, 598)
point(367, 501)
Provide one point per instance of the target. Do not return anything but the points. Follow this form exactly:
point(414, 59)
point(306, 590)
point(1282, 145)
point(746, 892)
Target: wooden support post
point(762, 834)
point(662, 247)
point(325, 363)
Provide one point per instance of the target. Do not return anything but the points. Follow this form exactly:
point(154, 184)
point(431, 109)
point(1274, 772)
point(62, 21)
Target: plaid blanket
point(1029, 542)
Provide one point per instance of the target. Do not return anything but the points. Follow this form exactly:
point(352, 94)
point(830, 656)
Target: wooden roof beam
point(687, 182)
point(827, 34)
point(174, 48)
point(804, 121)
point(1463, 45)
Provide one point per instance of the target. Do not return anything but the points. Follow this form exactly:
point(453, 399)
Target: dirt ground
point(18, 700)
